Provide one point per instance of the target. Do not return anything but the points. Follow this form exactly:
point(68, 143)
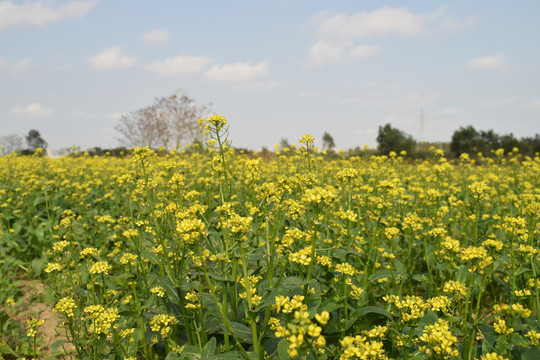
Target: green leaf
point(171, 291)
point(231, 355)
point(430, 317)
point(331, 306)
point(282, 350)
point(209, 348)
point(172, 355)
point(489, 337)
point(241, 331)
point(380, 274)
point(4, 349)
point(190, 352)
point(374, 310)
point(38, 265)
point(131, 314)
point(531, 354)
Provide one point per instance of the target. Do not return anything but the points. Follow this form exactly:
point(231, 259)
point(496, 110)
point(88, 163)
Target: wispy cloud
point(532, 105)
point(326, 53)
point(500, 102)
point(80, 114)
point(408, 101)
point(41, 13)
point(258, 86)
point(237, 72)
point(17, 66)
point(457, 25)
point(448, 111)
point(492, 62)
point(180, 65)
point(35, 110)
point(337, 34)
point(111, 59)
point(115, 115)
point(156, 37)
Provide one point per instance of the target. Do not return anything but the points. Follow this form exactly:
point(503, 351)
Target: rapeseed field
point(205, 253)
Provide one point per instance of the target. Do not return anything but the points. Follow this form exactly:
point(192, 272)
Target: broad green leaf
point(282, 350)
point(231, 355)
point(209, 348)
point(190, 352)
point(242, 332)
point(374, 310)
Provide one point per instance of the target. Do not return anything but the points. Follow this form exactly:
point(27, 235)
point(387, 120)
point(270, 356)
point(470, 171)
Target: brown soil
point(34, 306)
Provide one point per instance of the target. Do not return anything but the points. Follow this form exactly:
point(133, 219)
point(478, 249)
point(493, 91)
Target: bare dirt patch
point(34, 306)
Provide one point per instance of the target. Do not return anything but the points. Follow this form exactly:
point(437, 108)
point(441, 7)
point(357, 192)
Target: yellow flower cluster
point(493, 356)
point(455, 287)
point(287, 305)
point(158, 290)
point(53, 267)
point(193, 301)
point(59, 246)
point(411, 307)
point(302, 257)
point(501, 327)
point(217, 121)
point(346, 175)
point(128, 258)
point(32, 326)
point(479, 189)
point(360, 348)
point(439, 340)
point(346, 269)
point(236, 224)
point(190, 230)
point(101, 319)
point(301, 332)
point(65, 306)
point(100, 267)
point(253, 280)
point(162, 323)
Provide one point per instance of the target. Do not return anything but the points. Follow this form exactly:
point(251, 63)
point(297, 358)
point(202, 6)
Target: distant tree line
point(464, 140)
point(14, 143)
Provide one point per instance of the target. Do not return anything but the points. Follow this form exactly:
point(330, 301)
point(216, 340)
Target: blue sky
point(275, 69)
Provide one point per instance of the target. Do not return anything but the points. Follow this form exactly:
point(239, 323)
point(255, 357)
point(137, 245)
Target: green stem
point(252, 321)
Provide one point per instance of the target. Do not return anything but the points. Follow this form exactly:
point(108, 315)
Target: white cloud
point(325, 52)
point(41, 13)
point(110, 59)
point(447, 112)
point(237, 72)
point(532, 105)
point(180, 65)
point(80, 114)
point(14, 67)
point(258, 86)
point(456, 25)
point(156, 37)
point(307, 94)
point(115, 115)
point(499, 102)
point(21, 64)
point(409, 101)
point(383, 21)
point(493, 62)
point(34, 110)
point(336, 34)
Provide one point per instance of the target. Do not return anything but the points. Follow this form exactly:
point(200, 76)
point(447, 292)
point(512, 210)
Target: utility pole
point(421, 124)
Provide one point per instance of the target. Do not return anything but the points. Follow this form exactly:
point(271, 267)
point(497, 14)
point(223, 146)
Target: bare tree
point(169, 122)
point(11, 143)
